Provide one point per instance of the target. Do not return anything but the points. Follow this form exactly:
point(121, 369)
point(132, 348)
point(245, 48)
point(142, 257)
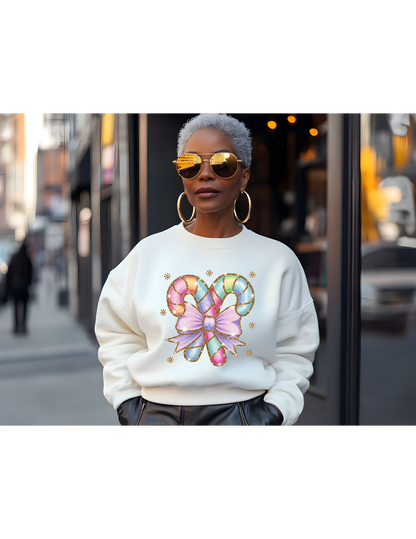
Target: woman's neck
point(214, 225)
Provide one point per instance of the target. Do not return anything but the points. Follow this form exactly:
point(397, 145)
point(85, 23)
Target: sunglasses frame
point(239, 162)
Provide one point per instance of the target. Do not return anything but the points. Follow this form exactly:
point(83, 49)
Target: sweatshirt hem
point(198, 396)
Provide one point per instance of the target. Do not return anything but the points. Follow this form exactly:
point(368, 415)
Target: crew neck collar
point(200, 242)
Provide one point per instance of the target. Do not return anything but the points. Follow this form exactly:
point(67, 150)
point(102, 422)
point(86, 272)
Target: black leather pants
point(139, 411)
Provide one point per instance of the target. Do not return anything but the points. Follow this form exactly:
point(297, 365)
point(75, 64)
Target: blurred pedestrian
point(19, 278)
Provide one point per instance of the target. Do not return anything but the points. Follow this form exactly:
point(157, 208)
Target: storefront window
point(388, 276)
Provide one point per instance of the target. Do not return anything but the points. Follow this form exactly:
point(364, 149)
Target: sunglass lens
point(188, 165)
point(224, 165)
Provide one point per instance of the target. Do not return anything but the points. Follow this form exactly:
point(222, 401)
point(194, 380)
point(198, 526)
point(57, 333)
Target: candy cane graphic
point(206, 324)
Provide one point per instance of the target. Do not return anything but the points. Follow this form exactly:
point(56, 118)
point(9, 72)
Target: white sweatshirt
point(188, 320)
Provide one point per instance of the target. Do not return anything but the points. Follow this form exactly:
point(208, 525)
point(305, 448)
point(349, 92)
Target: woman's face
point(207, 192)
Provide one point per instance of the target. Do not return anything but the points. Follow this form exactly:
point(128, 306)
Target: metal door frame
point(344, 264)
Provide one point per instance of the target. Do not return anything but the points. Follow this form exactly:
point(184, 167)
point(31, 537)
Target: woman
point(208, 323)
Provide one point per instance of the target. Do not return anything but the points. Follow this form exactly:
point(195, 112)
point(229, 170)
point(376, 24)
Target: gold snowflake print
point(252, 325)
point(170, 359)
point(249, 352)
point(167, 276)
point(163, 312)
point(252, 274)
point(209, 273)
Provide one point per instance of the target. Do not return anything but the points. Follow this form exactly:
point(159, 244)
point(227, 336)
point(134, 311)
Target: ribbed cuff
point(283, 406)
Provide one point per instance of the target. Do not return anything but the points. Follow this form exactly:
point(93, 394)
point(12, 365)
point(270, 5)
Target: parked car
point(3, 271)
point(388, 283)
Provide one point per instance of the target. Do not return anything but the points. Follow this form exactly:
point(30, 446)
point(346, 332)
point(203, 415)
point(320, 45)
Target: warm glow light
point(309, 155)
point(291, 119)
point(313, 132)
point(271, 124)
point(107, 129)
point(402, 151)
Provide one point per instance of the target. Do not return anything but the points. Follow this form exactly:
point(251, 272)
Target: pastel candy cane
point(206, 325)
point(233, 284)
point(188, 284)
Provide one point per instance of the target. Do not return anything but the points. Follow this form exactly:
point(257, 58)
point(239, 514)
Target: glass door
point(388, 275)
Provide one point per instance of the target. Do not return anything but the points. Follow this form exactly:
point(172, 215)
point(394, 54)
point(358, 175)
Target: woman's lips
point(206, 192)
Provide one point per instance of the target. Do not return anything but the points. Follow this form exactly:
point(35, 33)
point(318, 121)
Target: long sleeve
point(118, 342)
point(297, 340)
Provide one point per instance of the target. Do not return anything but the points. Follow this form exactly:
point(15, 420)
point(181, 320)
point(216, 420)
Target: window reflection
point(388, 276)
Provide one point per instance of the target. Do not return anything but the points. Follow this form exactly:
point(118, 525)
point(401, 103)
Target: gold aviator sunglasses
point(223, 164)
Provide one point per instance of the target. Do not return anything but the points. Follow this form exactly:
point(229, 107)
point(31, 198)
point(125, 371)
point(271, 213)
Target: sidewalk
point(51, 375)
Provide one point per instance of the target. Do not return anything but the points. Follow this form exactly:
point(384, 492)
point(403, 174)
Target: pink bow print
point(215, 330)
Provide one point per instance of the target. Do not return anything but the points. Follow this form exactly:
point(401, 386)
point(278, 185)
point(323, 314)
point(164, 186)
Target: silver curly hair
point(235, 130)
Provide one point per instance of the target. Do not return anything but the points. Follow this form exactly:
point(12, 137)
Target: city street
point(51, 375)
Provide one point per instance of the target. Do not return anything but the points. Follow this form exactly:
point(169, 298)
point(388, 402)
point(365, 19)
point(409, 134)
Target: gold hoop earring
point(178, 206)
point(249, 209)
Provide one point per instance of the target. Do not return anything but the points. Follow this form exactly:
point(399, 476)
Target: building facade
point(14, 187)
point(330, 186)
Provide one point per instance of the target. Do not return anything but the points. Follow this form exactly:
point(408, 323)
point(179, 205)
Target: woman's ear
point(244, 179)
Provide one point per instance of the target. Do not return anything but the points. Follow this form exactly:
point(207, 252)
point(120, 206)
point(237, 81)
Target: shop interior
point(288, 190)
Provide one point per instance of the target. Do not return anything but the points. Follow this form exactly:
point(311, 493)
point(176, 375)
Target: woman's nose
point(206, 171)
